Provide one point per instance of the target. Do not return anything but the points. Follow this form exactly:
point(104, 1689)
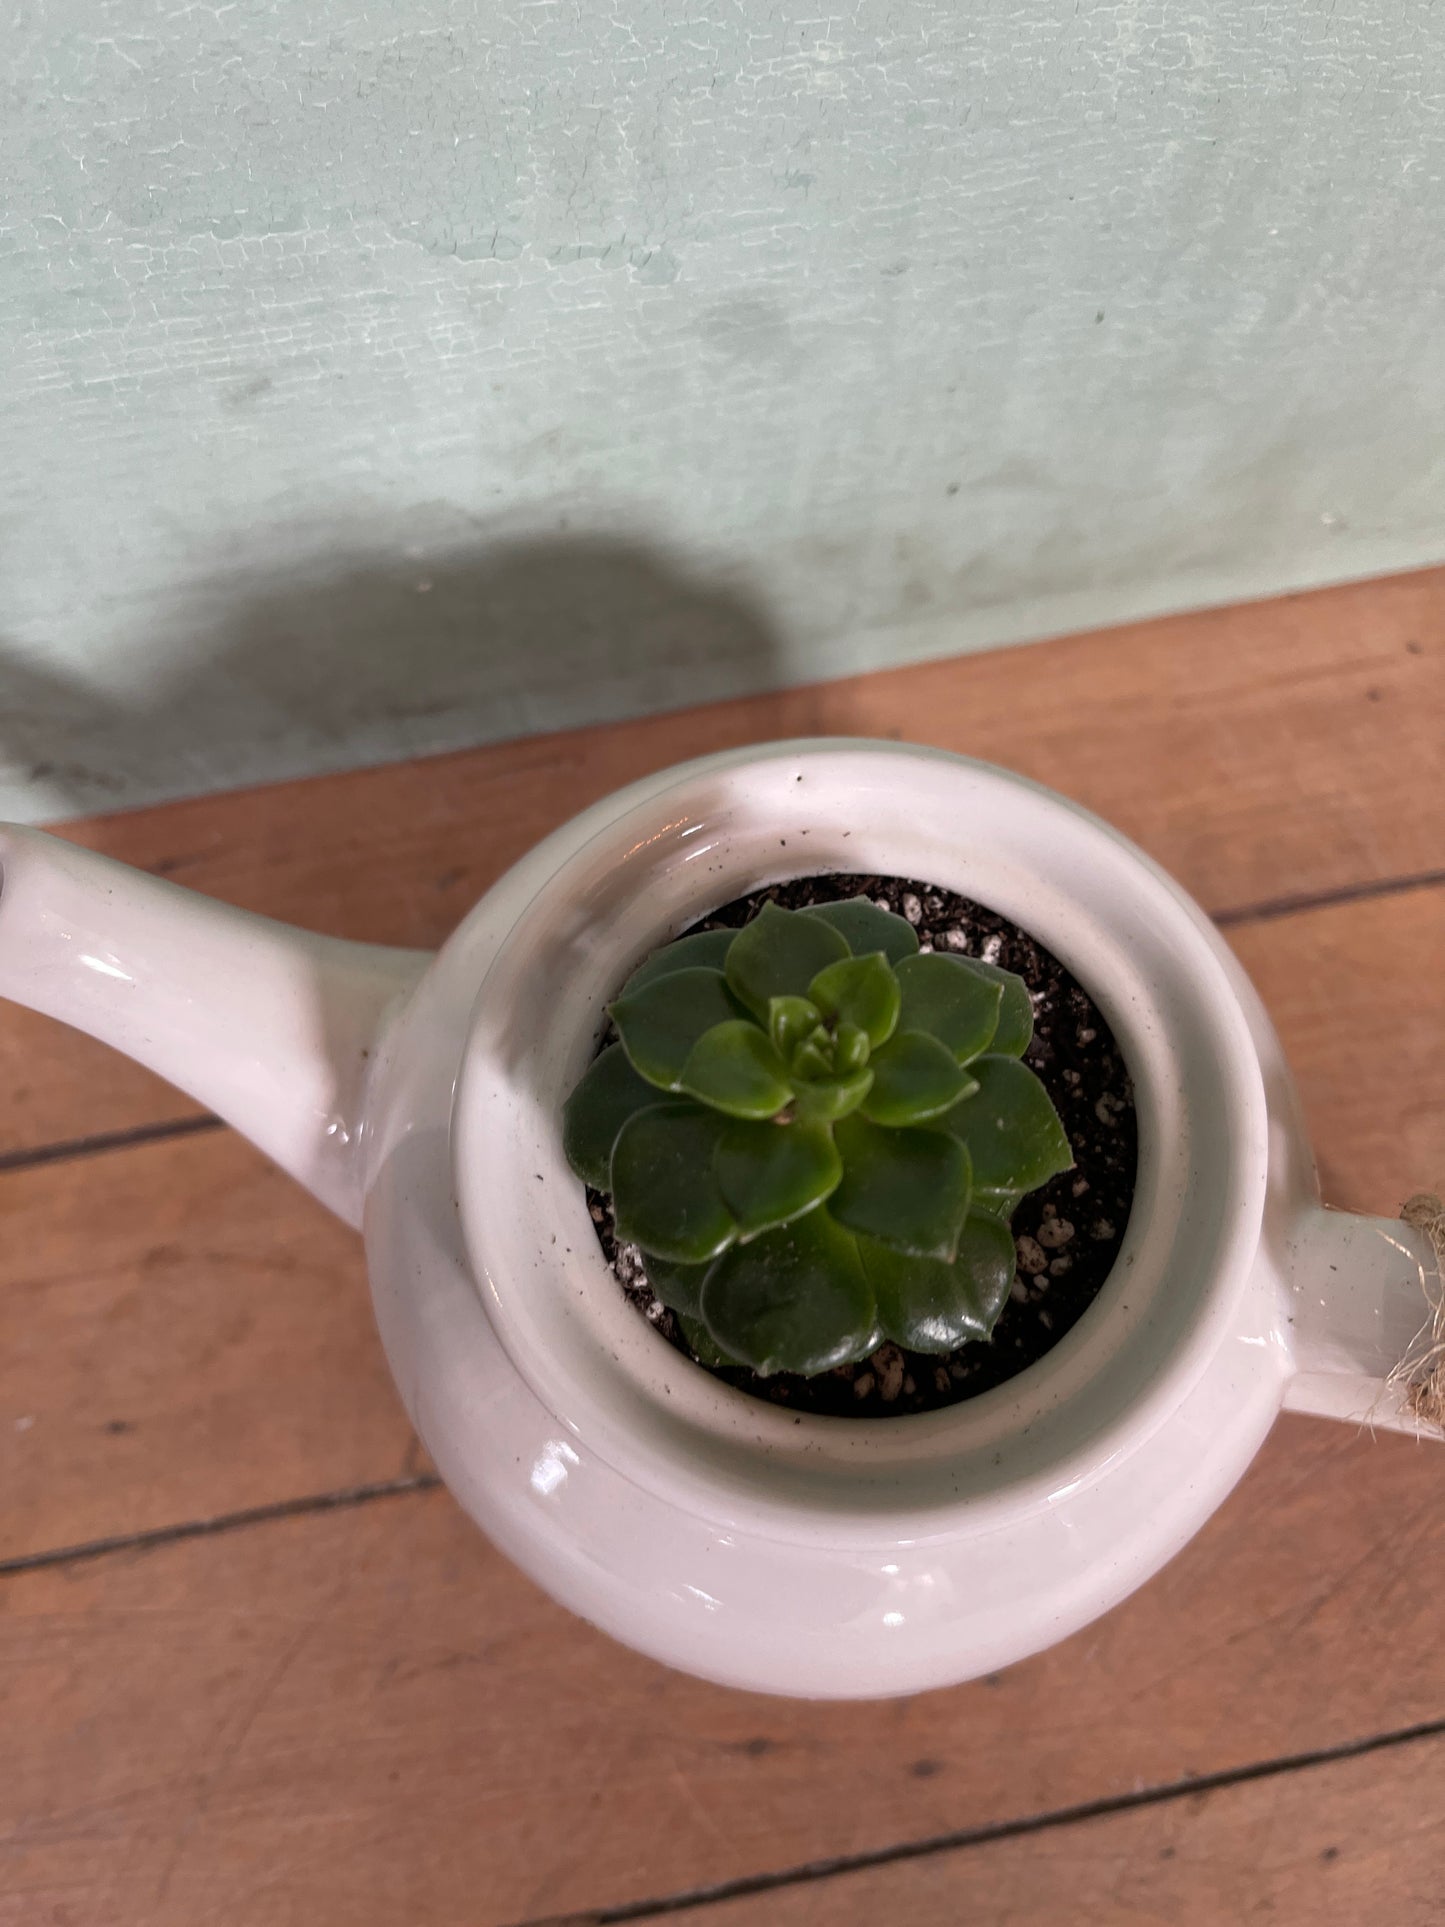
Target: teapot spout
point(273, 1029)
point(1364, 1300)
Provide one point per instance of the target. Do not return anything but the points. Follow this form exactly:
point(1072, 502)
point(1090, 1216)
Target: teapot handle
point(1362, 1294)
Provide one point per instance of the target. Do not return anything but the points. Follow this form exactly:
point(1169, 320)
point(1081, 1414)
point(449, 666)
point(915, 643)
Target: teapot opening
point(1068, 1233)
point(872, 810)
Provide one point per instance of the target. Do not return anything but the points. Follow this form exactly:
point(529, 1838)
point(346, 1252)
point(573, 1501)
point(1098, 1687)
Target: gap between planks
point(1271, 910)
point(341, 1499)
point(352, 1495)
point(1080, 1814)
point(801, 1875)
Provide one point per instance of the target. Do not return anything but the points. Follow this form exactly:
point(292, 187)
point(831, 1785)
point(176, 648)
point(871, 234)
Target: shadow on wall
point(358, 658)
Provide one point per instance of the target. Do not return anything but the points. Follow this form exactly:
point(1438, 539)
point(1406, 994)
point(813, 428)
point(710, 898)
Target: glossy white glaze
point(805, 1556)
point(272, 1028)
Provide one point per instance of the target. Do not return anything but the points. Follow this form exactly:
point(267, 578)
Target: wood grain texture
point(186, 1334)
point(187, 1292)
point(1334, 1845)
point(1257, 752)
point(363, 1713)
point(368, 1716)
point(1357, 993)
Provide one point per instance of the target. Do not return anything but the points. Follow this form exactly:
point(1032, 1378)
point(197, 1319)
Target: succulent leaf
point(793, 1300)
point(814, 1058)
point(609, 1093)
point(914, 1078)
point(791, 1021)
point(862, 992)
point(770, 1174)
point(705, 1348)
point(678, 1286)
point(779, 954)
point(816, 1134)
point(949, 1001)
point(1011, 1129)
point(929, 1306)
point(660, 1023)
point(733, 1068)
point(909, 1188)
point(664, 1195)
point(851, 1049)
point(1016, 1013)
point(864, 927)
point(701, 950)
point(824, 1100)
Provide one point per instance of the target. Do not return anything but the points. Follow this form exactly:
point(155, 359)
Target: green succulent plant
point(817, 1134)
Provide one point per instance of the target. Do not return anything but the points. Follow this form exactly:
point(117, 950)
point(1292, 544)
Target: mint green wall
point(384, 377)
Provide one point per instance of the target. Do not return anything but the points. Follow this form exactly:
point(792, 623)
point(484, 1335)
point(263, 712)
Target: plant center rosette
point(817, 1134)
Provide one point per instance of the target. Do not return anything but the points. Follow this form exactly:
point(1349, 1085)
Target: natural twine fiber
point(1422, 1369)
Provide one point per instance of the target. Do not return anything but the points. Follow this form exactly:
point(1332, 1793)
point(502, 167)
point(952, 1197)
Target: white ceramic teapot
point(419, 1097)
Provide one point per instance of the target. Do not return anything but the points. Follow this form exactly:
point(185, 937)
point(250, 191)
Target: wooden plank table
point(257, 1668)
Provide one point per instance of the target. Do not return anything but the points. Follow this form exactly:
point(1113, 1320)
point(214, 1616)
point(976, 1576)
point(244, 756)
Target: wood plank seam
point(1021, 1827)
point(342, 1499)
point(1272, 910)
point(140, 1674)
point(320, 1496)
point(89, 1147)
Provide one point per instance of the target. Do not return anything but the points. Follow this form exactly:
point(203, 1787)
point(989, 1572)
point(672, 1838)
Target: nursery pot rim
point(727, 825)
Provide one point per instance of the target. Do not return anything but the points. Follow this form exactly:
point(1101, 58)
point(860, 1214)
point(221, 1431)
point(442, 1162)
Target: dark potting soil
point(1066, 1235)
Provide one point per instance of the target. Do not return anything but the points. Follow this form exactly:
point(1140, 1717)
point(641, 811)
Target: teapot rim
point(707, 832)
